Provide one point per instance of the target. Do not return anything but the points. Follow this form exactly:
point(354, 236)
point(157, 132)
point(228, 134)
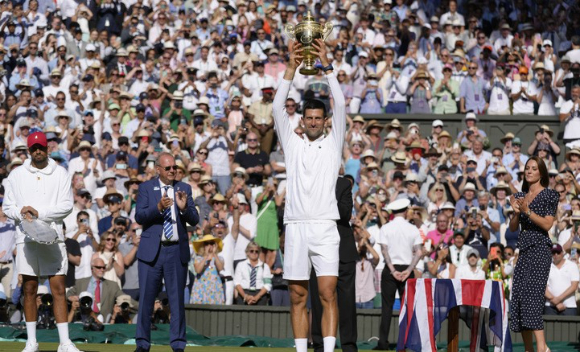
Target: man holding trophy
point(38, 198)
point(312, 162)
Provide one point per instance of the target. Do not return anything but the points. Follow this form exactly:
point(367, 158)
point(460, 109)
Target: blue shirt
point(473, 94)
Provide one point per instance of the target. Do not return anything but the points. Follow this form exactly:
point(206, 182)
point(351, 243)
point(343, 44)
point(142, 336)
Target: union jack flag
point(426, 304)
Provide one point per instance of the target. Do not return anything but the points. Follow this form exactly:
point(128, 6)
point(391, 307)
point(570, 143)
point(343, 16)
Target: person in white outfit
point(312, 163)
point(41, 189)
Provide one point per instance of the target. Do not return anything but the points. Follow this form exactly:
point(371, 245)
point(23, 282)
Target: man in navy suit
point(164, 206)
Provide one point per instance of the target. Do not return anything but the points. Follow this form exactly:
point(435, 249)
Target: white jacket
point(47, 190)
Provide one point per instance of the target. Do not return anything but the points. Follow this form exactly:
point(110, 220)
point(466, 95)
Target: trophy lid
point(308, 17)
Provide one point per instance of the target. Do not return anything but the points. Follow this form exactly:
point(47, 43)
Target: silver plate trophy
point(38, 231)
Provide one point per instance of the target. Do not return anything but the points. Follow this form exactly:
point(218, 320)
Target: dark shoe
point(141, 349)
point(178, 350)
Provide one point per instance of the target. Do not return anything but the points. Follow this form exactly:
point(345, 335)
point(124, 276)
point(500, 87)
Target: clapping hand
point(164, 203)
point(181, 200)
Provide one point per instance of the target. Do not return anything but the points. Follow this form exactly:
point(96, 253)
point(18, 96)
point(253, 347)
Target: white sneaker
point(31, 347)
point(68, 347)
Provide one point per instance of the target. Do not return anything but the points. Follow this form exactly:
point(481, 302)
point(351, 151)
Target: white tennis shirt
point(311, 166)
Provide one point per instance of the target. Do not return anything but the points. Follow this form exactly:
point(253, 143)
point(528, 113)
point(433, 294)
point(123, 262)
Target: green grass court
point(51, 347)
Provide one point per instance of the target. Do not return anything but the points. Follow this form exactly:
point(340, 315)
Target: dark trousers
point(263, 301)
point(167, 266)
point(345, 289)
point(553, 311)
point(389, 287)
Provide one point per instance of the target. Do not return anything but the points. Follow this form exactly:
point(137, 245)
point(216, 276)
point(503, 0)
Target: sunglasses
point(99, 267)
point(253, 251)
point(202, 153)
point(238, 174)
point(294, 105)
point(111, 240)
point(172, 167)
point(473, 68)
point(209, 243)
point(252, 140)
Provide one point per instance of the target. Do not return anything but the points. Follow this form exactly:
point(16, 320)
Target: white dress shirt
point(400, 236)
point(561, 279)
point(311, 166)
point(263, 276)
point(170, 194)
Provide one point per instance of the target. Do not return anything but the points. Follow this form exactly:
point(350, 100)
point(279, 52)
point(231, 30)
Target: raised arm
point(281, 121)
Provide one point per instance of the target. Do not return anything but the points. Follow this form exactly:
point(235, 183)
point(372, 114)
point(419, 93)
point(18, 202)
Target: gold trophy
point(306, 32)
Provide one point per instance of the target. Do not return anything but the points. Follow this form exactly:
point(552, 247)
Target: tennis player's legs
point(310, 245)
point(36, 260)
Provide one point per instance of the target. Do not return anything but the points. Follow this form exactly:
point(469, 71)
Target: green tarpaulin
point(125, 334)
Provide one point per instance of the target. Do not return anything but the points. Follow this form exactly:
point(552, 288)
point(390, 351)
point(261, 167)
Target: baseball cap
point(556, 248)
point(437, 123)
point(474, 252)
point(38, 92)
point(37, 138)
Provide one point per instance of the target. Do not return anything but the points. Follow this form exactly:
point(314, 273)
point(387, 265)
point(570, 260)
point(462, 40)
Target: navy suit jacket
point(148, 216)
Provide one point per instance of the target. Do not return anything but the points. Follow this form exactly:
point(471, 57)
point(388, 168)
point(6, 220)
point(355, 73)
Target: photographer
point(371, 96)
point(44, 301)
point(547, 96)
point(122, 311)
point(104, 291)
point(570, 116)
point(129, 249)
point(420, 92)
point(81, 311)
point(476, 234)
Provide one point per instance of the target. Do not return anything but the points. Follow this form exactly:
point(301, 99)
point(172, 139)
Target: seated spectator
point(493, 266)
point(442, 233)
point(108, 252)
point(562, 284)
point(103, 291)
point(253, 279)
point(470, 270)
point(459, 250)
point(441, 267)
point(207, 287)
point(476, 233)
point(279, 294)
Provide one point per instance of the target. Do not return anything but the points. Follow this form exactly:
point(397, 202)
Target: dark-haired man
point(312, 164)
point(40, 190)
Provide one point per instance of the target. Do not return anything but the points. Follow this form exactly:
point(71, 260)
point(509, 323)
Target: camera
point(45, 316)
point(125, 307)
point(542, 130)
point(85, 221)
point(482, 207)
point(474, 213)
point(86, 302)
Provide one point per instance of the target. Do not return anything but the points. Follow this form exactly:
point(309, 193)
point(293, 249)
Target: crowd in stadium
point(114, 84)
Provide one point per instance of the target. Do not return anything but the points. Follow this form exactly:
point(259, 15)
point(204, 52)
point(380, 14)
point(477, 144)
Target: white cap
point(242, 199)
point(363, 54)
point(85, 294)
point(437, 123)
point(90, 47)
point(422, 60)
point(547, 42)
point(470, 116)
point(399, 204)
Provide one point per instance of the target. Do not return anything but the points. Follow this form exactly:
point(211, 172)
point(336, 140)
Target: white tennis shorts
point(308, 245)
point(35, 259)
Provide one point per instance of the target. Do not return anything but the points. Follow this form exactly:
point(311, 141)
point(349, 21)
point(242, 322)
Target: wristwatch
point(529, 212)
point(328, 68)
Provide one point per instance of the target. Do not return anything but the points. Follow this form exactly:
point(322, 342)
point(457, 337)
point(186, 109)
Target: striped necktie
point(167, 223)
point(253, 274)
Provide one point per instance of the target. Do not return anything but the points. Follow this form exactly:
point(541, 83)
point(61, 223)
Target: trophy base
point(308, 71)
